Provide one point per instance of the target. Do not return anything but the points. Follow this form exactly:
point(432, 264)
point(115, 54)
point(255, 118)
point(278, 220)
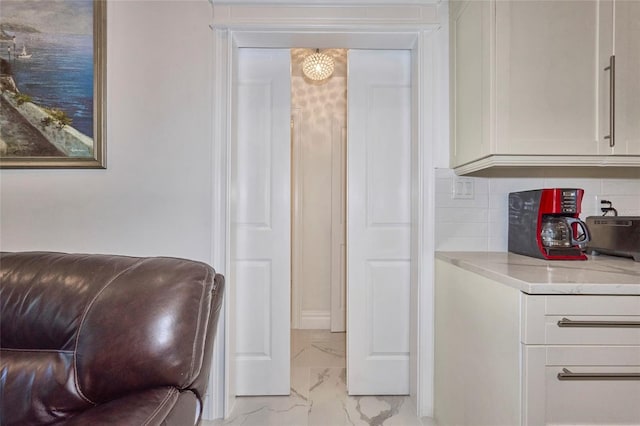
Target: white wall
point(480, 224)
point(154, 198)
point(317, 105)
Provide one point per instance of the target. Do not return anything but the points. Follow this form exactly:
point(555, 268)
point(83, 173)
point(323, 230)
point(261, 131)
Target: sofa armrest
point(159, 406)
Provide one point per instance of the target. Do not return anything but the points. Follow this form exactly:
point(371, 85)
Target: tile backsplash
point(480, 223)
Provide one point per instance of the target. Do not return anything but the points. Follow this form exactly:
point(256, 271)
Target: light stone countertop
point(598, 275)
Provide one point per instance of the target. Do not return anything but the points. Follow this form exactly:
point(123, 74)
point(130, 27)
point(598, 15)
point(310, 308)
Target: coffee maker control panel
point(560, 201)
point(569, 201)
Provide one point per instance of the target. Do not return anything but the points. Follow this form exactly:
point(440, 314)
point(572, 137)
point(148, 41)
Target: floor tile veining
point(319, 392)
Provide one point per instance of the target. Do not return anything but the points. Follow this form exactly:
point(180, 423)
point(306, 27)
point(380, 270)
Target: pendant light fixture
point(318, 66)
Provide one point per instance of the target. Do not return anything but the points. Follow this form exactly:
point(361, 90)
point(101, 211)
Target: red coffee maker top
point(561, 201)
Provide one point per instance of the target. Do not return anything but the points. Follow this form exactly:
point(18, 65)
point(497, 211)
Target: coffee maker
point(544, 223)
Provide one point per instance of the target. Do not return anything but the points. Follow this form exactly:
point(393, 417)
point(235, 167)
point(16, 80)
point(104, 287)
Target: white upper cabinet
point(621, 39)
point(546, 96)
point(529, 85)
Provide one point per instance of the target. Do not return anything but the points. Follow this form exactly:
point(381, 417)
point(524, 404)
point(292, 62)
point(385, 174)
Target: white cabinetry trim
point(505, 161)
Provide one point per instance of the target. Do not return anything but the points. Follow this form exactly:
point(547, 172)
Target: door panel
point(627, 78)
point(261, 222)
point(546, 77)
point(378, 218)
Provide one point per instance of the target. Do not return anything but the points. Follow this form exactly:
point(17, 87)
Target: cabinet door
point(470, 88)
point(573, 320)
point(546, 77)
point(556, 390)
point(627, 53)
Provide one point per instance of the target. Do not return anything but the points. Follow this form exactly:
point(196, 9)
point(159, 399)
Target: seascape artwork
point(47, 54)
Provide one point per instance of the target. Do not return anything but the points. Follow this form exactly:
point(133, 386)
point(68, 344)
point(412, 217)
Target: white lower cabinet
point(503, 357)
point(580, 359)
point(586, 385)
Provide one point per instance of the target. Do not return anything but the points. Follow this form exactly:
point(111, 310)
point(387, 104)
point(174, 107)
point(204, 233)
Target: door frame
point(417, 28)
point(338, 293)
point(297, 221)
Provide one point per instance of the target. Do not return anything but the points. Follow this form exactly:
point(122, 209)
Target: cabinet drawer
point(581, 385)
point(575, 319)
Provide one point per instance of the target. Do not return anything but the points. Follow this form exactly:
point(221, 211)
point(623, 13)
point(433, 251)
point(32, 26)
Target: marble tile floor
point(319, 393)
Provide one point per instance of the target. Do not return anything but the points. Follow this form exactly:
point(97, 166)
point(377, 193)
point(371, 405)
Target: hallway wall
point(318, 105)
point(155, 197)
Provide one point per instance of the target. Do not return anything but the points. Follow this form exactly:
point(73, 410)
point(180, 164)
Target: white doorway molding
point(297, 228)
point(414, 25)
point(338, 303)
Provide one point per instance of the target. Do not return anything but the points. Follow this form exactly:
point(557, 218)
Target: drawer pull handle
point(568, 375)
point(612, 101)
point(565, 322)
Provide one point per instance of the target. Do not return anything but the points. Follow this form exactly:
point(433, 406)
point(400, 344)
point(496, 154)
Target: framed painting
point(52, 83)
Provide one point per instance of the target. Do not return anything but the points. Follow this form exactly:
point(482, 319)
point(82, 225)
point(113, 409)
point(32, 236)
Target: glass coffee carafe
point(563, 232)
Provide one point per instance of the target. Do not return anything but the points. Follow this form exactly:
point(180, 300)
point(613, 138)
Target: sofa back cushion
point(80, 330)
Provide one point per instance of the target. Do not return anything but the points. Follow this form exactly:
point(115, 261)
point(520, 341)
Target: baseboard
point(315, 320)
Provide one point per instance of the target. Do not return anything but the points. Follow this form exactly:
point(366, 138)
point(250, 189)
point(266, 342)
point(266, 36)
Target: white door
point(378, 221)
point(261, 221)
point(338, 224)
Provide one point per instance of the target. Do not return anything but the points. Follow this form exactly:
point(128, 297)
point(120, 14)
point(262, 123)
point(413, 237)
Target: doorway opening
point(377, 169)
point(416, 28)
point(319, 136)
point(318, 246)
point(229, 42)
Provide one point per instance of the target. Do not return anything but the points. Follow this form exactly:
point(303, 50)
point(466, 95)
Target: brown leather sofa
point(105, 340)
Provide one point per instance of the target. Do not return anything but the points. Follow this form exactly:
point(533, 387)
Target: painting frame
point(98, 159)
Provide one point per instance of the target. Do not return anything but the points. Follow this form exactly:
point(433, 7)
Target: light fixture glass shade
point(318, 66)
